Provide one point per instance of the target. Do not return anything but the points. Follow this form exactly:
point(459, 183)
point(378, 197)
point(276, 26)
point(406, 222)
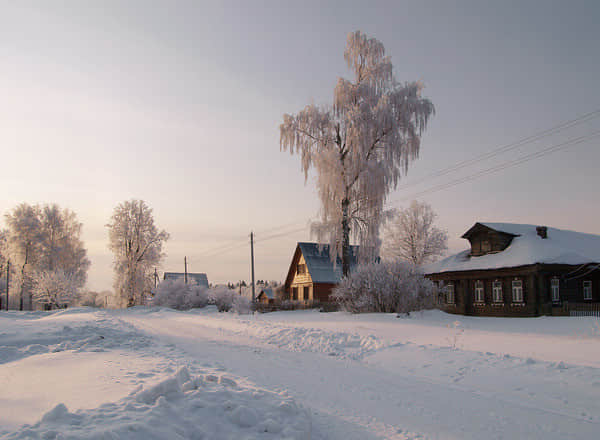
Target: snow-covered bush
point(54, 289)
point(385, 287)
point(229, 300)
point(223, 298)
point(242, 305)
point(176, 294)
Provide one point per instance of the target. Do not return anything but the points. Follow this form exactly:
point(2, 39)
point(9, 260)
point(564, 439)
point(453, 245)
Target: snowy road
point(384, 395)
point(158, 373)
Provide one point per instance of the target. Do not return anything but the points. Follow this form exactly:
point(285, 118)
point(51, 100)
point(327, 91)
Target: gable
point(486, 240)
point(320, 268)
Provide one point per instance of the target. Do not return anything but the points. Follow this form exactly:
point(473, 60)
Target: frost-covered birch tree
point(136, 243)
point(360, 146)
point(411, 235)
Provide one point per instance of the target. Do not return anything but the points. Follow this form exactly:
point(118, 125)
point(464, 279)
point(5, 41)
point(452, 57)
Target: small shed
point(266, 296)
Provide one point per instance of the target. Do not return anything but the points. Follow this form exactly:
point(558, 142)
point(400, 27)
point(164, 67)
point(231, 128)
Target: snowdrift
point(205, 406)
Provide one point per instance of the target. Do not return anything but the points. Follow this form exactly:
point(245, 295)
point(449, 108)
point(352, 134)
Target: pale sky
point(179, 103)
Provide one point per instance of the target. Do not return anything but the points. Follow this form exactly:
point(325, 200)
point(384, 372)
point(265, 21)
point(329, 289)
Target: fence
point(296, 305)
point(582, 309)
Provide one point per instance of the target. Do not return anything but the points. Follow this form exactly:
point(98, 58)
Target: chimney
point(542, 231)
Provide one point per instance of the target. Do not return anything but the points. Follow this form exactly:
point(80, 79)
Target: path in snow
point(443, 393)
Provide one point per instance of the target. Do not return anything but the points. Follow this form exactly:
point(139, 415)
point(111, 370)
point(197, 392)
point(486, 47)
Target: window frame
point(555, 289)
point(479, 292)
point(517, 291)
point(497, 286)
point(450, 294)
point(587, 288)
point(301, 269)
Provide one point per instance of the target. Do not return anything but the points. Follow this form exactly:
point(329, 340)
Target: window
point(587, 290)
point(479, 292)
point(485, 246)
point(450, 293)
point(301, 269)
point(306, 290)
point(295, 293)
point(497, 291)
point(517, 291)
point(555, 289)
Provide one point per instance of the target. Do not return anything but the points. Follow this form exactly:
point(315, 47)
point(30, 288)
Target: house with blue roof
point(312, 274)
point(193, 278)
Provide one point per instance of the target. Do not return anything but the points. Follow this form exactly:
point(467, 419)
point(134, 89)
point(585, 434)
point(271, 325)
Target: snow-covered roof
point(268, 292)
point(199, 278)
point(527, 247)
point(319, 264)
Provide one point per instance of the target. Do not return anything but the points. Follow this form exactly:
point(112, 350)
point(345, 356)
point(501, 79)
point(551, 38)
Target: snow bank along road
point(158, 373)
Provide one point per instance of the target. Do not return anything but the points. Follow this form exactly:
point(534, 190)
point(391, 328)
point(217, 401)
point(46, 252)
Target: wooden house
point(197, 278)
point(266, 296)
point(520, 270)
point(312, 274)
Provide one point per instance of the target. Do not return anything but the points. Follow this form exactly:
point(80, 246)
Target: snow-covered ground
point(159, 373)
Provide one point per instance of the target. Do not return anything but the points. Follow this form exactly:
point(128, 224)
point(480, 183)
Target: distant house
point(198, 278)
point(266, 296)
point(520, 270)
point(312, 274)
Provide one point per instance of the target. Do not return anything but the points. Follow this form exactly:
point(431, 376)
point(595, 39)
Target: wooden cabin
point(266, 296)
point(521, 270)
point(312, 275)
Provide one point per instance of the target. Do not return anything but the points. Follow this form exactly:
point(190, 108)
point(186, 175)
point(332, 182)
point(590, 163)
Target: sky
point(179, 104)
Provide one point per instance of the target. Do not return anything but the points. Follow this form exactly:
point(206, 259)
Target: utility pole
point(7, 278)
point(185, 270)
point(252, 258)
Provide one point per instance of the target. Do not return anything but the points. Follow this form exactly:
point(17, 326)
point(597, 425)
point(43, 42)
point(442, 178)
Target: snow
point(561, 247)
point(160, 373)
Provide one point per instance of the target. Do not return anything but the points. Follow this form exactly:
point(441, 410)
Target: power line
point(242, 242)
point(505, 165)
point(503, 149)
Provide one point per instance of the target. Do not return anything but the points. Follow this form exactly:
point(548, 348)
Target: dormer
point(485, 240)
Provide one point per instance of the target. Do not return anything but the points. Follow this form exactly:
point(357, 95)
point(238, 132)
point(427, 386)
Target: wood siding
point(537, 296)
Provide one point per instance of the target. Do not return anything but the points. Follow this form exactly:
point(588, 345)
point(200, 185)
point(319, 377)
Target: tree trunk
point(345, 238)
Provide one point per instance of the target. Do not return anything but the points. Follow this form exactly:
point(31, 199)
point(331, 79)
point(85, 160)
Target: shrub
point(54, 289)
point(393, 287)
point(178, 295)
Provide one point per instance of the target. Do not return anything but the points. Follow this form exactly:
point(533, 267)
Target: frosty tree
point(61, 247)
point(54, 288)
point(136, 243)
point(360, 146)
point(411, 235)
point(45, 239)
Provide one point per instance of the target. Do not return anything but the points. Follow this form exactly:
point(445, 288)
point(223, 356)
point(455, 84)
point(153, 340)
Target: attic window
point(301, 269)
point(485, 246)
